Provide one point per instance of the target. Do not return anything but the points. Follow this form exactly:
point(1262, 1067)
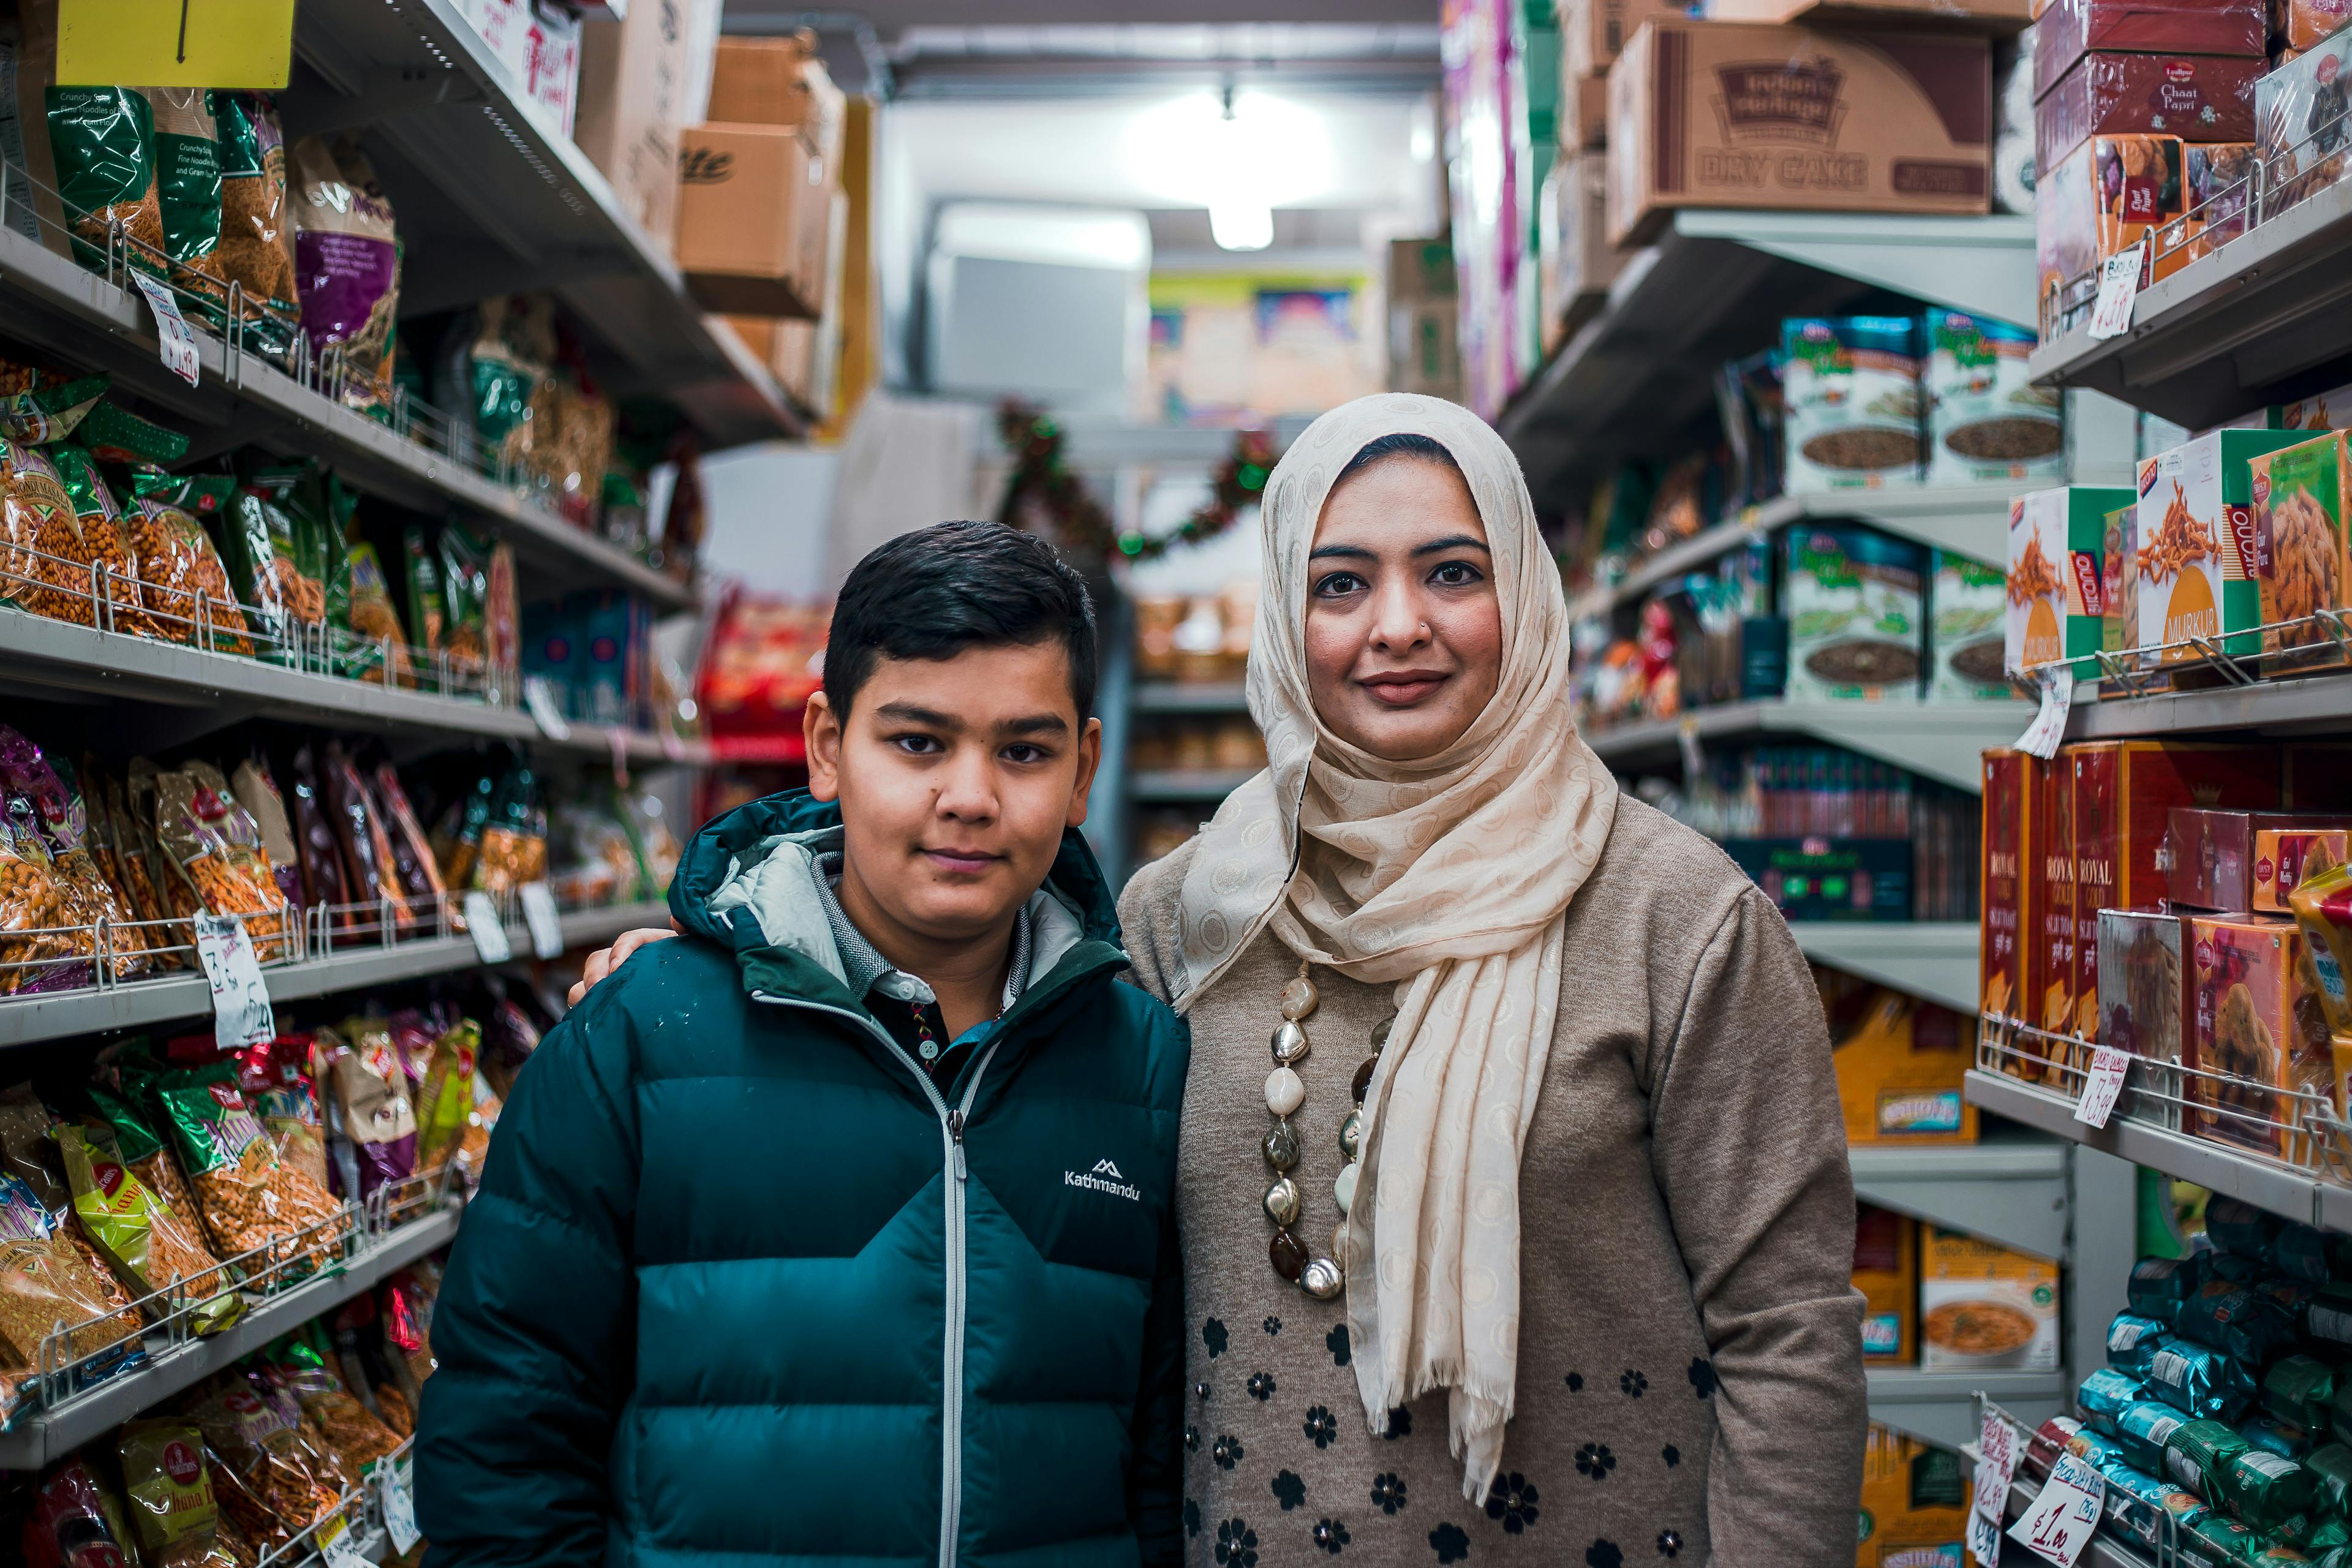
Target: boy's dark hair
point(1403, 444)
point(940, 590)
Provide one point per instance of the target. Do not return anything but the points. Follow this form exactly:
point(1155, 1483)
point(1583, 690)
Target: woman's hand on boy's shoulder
point(605, 959)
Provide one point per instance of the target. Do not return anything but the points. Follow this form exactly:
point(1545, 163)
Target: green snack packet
point(427, 613)
point(2327, 1535)
point(103, 139)
point(466, 593)
point(2331, 1468)
point(114, 436)
point(188, 186)
point(2267, 1489)
point(50, 410)
point(2276, 1555)
point(2218, 1541)
point(134, 1141)
point(198, 495)
point(2300, 1391)
point(2199, 1457)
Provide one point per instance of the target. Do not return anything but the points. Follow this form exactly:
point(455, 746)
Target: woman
point(1585, 1296)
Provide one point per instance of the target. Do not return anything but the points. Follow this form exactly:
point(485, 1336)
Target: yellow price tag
point(175, 43)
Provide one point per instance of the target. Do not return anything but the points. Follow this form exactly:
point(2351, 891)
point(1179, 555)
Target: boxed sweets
point(2067, 29)
point(2257, 1028)
point(2109, 194)
point(2237, 862)
point(2300, 125)
point(2009, 898)
point(2055, 821)
point(2143, 1000)
point(2300, 496)
point(1987, 423)
point(1851, 385)
point(2199, 574)
point(2056, 584)
point(2221, 177)
point(2198, 97)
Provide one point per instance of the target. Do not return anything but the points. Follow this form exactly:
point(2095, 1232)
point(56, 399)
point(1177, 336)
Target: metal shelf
point(1154, 786)
point(1190, 697)
point(1934, 959)
point(2257, 322)
point(241, 398)
point(1634, 379)
point(1939, 740)
point(498, 199)
point(1971, 519)
point(2009, 1191)
point(2270, 1184)
point(48, 1434)
point(1939, 1407)
point(2313, 703)
point(143, 1003)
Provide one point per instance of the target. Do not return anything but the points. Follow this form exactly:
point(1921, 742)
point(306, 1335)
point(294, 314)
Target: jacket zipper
point(952, 1122)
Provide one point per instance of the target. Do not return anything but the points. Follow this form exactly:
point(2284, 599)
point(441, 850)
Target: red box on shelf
point(2198, 97)
point(2069, 29)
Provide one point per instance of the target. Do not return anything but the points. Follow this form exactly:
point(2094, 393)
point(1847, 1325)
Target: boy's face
point(956, 778)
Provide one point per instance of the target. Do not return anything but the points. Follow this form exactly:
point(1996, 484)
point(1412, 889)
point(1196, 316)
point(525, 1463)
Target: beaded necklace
point(1285, 1091)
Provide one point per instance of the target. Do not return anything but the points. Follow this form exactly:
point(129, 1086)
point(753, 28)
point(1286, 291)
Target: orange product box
point(2258, 1028)
point(1886, 1272)
point(1914, 1504)
point(1983, 1306)
point(2055, 818)
point(2009, 898)
point(1900, 1069)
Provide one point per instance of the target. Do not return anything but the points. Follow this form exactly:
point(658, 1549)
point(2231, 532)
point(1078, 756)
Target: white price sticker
point(337, 1548)
point(545, 711)
point(2049, 726)
point(399, 1503)
point(2111, 312)
point(1996, 1463)
point(489, 937)
point(2062, 1520)
point(1694, 760)
point(172, 330)
point(546, 926)
point(241, 1015)
point(1984, 1540)
point(2109, 1067)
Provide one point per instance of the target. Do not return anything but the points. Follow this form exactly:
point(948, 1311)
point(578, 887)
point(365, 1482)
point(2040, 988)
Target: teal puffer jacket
point(741, 1287)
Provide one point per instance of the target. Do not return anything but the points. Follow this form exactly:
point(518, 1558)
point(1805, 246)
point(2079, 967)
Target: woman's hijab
point(1448, 877)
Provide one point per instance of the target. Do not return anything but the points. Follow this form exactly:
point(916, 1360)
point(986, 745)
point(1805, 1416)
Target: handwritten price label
point(241, 1015)
point(2111, 313)
point(399, 1504)
point(176, 340)
point(1984, 1540)
point(482, 922)
point(1996, 1463)
point(2109, 1067)
point(2049, 726)
point(336, 1545)
point(2065, 1515)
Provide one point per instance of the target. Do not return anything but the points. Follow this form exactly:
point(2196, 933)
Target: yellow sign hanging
point(175, 43)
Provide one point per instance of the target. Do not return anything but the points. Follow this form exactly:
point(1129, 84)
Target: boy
point(844, 1226)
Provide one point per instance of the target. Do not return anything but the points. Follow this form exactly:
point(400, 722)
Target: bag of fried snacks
point(248, 1198)
point(167, 1494)
point(270, 1478)
point(137, 1235)
point(216, 849)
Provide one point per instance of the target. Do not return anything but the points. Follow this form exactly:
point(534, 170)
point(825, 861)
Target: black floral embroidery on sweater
point(1671, 1455)
point(1192, 1518)
point(1201, 1389)
point(1604, 1555)
point(1288, 1489)
point(1322, 1426)
point(1272, 1325)
point(1670, 1543)
point(1226, 1451)
point(1452, 1546)
point(1330, 1535)
point(1513, 1500)
point(1261, 1386)
point(1633, 1384)
point(1388, 1491)
point(1595, 1460)
point(1702, 1376)
point(1575, 1380)
point(1236, 1545)
point(1213, 1334)
point(1399, 1424)
point(1336, 1342)
point(1192, 1439)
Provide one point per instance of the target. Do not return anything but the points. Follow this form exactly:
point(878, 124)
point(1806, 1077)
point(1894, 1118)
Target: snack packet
point(466, 589)
point(188, 187)
point(275, 1081)
point(103, 139)
point(426, 611)
point(44, 565)
point(75, 1523)
point(364, 607)
point(261, 1446)
point(371, 1094)
point(183, 583)
point(258, 793)
point(170, 1499)
point(99, 523)
point(149, 1247)
point(249, 1200)
point(26, 774)
point(445, 1101)
point(412, 854)
point(368, 869)
point(216, 848)
point(42, 945)
point(36, 407)
point(514, 838)
point(44, 1281)
point(316, 849)
point(114, 435)
point(256, 244)
point(346, 261)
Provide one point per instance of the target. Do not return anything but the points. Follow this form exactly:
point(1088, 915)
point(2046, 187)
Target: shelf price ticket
point(399, 1503)
point(241, 1013)
point(176, 341)
point(1996, 1463)
point(2109, 1067)
point(2062, 1520)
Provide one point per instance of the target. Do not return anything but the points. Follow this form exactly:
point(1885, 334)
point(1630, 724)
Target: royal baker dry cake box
point(2010, 894)
point(1734, 114)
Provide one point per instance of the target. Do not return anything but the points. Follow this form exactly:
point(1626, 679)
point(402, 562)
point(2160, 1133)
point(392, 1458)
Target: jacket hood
point(747, 882)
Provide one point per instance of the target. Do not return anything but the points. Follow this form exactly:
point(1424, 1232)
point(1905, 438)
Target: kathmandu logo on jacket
point(1104, 1178)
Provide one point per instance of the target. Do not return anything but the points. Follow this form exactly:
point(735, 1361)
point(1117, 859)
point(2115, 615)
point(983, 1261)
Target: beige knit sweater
point(1690, 1353)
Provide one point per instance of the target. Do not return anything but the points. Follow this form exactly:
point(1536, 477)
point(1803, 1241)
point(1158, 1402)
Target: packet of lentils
point(2198, 1457)
point(2218, 1541)
point(2330, 1465)
point(2096, 1448)
point(2137, 1504)
point(2159, 1284)
point(2302, 1252)
point(2246, 1323)
point(2199, 1381)
point(2275, 1437)
point(2267, 1489)
point(2299, 1390)
point(2235, 1225)
point(2327, 1321)
point(2131, 1341)
point(2142, 1430)
point(2233, 1269)
point(2104, 1395)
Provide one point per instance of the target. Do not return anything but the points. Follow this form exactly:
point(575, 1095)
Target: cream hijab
point(1447, 877)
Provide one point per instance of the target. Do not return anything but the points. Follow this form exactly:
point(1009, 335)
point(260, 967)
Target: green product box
point(2196, 575)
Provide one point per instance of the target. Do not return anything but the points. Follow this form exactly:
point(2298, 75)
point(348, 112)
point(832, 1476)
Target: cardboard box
point(633, 82)
point(2054, 830)
point(2198, 549)
point(2068, 29)
point(1915, 1503)
point(1593, 32)
point(1588, 117)
point(2119, 608)
point(1851, 389)
point(2109, 194)
point(764, 81)
point(1987, 422)
point(1728, 114)
point(2143, 1005)
point(2009, 899)
point(2198, 97)
point(1967, 605)
point(2235, 862)
point(750, 239)
point(2257, 1028)
point(2086, 773)
point(2302, 497)
point(1982, 1306)
point(1899, 1072)
point(1578, 262)
point(1853, 599)
point(1886, 1272)
point(2056, 582)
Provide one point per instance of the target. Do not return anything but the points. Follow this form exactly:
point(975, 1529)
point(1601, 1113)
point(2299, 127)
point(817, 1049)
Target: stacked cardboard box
point(635, 75)
point(1424, 309)
point(757, 194)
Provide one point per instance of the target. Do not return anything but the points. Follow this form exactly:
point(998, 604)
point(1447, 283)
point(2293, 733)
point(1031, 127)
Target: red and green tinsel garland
point(1042, 479)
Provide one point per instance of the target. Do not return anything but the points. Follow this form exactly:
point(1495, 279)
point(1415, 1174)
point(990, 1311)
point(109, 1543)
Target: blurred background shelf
point(1940, 741)
point(2012, 1190)
point(1934, 958)
point(1940, 1408)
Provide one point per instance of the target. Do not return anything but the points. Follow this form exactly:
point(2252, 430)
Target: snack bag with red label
point(173, 1514)
point(249, 1199)
point(64, 826)
point(74, 1523)
point(276, 1080)
point(371, 1090)
point(445, 1102)
point(148, 1246)
point(263, 1452)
